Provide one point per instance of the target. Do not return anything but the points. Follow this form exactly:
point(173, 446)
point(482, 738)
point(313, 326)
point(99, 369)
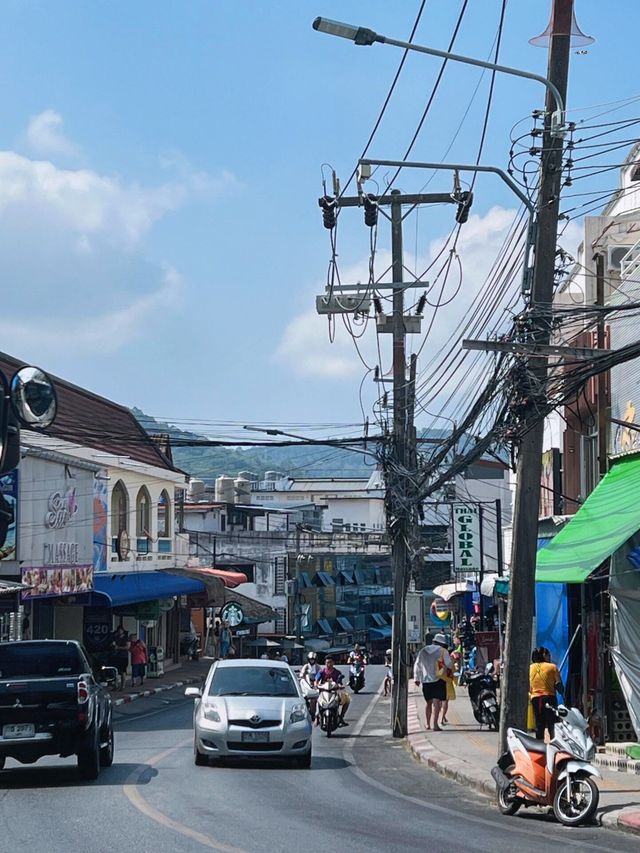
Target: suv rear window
point(36, 660)
point(252, 681)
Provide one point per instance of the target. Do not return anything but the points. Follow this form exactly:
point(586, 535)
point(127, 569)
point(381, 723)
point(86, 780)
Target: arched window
point(164, 515)
point(143, 513)
point(119, 509)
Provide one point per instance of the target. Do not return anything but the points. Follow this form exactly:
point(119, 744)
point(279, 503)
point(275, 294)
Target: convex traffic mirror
point(33, 398)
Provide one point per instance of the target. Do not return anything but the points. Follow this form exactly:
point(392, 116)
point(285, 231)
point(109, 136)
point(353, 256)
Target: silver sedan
point(251, 708)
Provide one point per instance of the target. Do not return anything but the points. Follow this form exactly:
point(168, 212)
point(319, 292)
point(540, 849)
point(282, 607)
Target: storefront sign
point(232, 614)
point(62, 506)
point(466, 538)
point(148, 611)
point(97, 628)
point(63, 580)
point(61, 553)
point(9, 504)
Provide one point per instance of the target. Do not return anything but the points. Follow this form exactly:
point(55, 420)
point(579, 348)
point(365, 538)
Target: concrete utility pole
point(520, 610)
point(603, 425)
point(402, 504)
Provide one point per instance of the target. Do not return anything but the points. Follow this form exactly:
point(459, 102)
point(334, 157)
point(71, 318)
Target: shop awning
point(324, 626)
point(344, 623)
point(230, 579)
point(379, 619)
point(380, 633)
point(12, 587)
point(134, 587)
point(447, 591)
point(608, 517)
point(323, 579)
point(254, 611)
point(493, 584)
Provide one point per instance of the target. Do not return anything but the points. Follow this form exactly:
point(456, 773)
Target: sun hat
point(440, 640)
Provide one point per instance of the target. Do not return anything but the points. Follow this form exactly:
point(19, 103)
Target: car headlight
point(298, 713)
point(210, 712)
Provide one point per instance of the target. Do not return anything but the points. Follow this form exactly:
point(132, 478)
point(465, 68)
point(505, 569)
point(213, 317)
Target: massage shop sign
point(467, 546)
point(57, 538)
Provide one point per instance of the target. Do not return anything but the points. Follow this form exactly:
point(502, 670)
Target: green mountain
point(210, 462)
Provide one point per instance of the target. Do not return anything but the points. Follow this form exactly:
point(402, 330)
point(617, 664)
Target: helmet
point(311, 657)
point(388, 651)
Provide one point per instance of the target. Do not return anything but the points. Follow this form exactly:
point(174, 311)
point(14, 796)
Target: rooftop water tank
point(248, 475)
point(273, 475)
point(243, 490)
point(225, 489)
point(195, 491)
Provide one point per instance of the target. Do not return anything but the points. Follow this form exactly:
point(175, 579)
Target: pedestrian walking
point(139, 659)
point(225, 640)
point(446, 675)
point(544, 683)
point(120, 652)
point(426, 674)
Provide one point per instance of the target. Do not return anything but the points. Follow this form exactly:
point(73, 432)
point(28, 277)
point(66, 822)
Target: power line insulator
point(370, 210)
point(465, 200)
point(328, 206)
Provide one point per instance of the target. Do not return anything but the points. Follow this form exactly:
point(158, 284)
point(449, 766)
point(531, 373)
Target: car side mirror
point(194, 692)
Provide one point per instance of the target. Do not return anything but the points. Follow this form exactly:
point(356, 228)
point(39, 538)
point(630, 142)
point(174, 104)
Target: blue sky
point(160, 240)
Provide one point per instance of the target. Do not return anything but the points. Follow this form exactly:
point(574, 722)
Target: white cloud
point(305, 347)
point(45, 135)
point(106, 333)
point(91, 205)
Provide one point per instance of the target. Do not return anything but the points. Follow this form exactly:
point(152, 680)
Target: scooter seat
point(531, 743)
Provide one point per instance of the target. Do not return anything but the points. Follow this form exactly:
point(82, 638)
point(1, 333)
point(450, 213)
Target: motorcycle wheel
point(582, 804)
point(494, 721)
point(329, 727)
point(507, 805)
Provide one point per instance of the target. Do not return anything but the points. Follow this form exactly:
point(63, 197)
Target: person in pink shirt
point(139, 659)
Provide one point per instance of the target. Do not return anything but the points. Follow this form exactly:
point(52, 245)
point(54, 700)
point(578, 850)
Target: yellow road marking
point(132, 793)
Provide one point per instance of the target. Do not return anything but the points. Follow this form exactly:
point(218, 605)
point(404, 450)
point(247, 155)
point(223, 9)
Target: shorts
point(435, 690)
point(121, 662)
point(138, 670)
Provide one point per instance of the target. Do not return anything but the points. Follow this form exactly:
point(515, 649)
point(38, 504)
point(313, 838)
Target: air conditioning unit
point(615, 254)
point(291, 588)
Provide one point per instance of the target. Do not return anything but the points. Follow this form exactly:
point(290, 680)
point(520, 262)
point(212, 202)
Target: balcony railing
point(630, 263)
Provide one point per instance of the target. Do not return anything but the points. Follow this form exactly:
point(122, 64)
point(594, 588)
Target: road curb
point(624, 819)
point(132, 697)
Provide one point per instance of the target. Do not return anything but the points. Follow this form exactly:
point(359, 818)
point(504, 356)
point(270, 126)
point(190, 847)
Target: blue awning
point(380, 633)
point(133, 587)
point(344, 623)
point(323, 579)
point(379, 619)
point(324, 626)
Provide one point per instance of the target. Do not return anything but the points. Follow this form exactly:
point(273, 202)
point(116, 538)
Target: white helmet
point(311, 657)
point(388, 651)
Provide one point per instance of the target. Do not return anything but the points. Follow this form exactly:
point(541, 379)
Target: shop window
point(143, 512)
point(164, 515)
point(119, 509)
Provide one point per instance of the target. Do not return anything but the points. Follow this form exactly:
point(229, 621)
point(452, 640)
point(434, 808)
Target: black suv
point(53, 702)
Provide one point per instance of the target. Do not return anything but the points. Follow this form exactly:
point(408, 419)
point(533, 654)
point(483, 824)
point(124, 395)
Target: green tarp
point(608, 517)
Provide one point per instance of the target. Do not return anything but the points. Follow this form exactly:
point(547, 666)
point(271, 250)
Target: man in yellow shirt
point(544, 683)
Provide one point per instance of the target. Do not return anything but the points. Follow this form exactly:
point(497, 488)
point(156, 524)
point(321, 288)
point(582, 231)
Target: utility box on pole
point(415, 618)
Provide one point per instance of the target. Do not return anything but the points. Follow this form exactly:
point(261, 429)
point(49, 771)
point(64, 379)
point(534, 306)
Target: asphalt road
point(363, 793)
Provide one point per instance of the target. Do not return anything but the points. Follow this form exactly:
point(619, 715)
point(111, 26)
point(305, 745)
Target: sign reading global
point(232, 614)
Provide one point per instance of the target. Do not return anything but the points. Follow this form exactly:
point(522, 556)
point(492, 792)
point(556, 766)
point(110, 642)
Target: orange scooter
point(557, 774)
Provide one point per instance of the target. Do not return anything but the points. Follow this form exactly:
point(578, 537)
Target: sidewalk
point(189, 672)
point(465, 753)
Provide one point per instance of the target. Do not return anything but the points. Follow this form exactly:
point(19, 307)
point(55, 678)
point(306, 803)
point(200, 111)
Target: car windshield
point(252, 681)
point(35, 660)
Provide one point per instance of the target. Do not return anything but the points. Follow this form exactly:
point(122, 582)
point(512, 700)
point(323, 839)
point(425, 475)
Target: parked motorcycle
point(190, 646)
point(356, 676)
point(328, 707)
point(482, 694)
point(557, 774)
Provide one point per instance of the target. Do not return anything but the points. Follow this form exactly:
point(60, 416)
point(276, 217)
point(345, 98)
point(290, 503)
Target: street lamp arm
point(364, 36)
point(455, 167)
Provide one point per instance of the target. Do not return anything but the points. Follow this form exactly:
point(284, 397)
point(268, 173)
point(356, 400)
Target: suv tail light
point(83, 691)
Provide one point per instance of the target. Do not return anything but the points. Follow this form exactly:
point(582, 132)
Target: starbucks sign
point(232, 614)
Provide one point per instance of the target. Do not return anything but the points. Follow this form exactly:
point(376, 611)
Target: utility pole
point(520, 609)
point(400, 530)
point(401, 501)
point(603, 431)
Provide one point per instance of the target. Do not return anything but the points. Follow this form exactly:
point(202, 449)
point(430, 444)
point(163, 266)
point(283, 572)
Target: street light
point(365, 36)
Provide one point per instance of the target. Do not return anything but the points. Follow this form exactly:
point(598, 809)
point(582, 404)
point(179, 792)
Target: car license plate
point(255, 737)
point(19, 730)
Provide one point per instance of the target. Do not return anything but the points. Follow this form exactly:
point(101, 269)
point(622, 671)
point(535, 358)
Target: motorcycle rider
point(330, 673)
point(308, 675)
point(356, 655)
